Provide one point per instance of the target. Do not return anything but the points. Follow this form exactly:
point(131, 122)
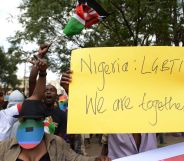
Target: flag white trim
point(79, 19)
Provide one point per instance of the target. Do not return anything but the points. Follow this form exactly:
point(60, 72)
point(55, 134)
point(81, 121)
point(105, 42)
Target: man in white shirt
point(6, 116)
point(7, 120)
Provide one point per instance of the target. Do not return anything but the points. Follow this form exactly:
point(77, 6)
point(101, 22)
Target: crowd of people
point(34, 128)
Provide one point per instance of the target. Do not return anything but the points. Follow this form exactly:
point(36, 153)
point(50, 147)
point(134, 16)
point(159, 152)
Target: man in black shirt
point(59, 117)
point(51, 97)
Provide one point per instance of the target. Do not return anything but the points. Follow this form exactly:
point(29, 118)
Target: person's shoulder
point(10, 112)
point(7, 144)
point(61, 143)
point(52, 137)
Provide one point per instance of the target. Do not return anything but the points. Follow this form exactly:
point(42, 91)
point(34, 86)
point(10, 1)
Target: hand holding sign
point(65, 80)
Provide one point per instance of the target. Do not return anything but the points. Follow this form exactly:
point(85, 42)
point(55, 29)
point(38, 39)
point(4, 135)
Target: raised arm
point(34, 71)
point(39, 90)
point(32, 79)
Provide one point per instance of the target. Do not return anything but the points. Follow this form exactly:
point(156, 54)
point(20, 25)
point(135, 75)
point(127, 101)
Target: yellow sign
point(127, 90)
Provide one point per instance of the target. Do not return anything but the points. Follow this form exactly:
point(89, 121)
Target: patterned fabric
point(49, 125)
point(63, 103)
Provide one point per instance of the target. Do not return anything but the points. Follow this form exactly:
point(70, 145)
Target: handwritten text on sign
point(126, 90)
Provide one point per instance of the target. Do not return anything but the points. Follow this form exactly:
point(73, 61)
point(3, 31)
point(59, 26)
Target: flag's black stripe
point(97, 7)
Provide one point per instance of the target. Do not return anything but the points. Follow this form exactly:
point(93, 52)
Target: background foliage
point(131, 23)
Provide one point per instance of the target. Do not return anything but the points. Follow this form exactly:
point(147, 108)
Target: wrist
point(43, 73)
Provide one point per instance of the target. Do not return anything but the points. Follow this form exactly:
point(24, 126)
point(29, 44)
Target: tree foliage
point(8, 67)
point(131, 23)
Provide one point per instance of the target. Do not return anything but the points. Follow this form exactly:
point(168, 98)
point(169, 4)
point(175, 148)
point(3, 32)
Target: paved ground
point(94, 148)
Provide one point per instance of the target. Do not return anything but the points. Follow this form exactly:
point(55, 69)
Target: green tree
point(8, 68)
point(131, 23)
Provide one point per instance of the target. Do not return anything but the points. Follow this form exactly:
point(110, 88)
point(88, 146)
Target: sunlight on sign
point(127, 90)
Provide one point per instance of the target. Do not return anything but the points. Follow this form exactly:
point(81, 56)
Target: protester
point(31, 143)
point(6, 116)
point(56, 122)
point(57, 116)
point(7, 120)
point(16, 97)
point(120, 145)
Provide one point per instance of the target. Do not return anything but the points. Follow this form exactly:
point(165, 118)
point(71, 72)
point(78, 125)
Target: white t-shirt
point(6, 121)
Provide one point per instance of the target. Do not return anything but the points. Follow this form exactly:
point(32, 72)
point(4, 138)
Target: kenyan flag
point(87, 13)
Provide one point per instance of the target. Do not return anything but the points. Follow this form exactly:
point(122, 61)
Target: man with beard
point(59, 117)
point(57, 122)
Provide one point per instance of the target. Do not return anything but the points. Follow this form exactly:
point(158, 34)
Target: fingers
point(32, 62)
point(43, 49)
point(66, 76)
point(103, 158)
point(35, 57)
point(39, 63)
point(109, 159)
point(42, 46)
point(42, 65)
point(65, 79)
point(69, 72)
point(65, 82)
